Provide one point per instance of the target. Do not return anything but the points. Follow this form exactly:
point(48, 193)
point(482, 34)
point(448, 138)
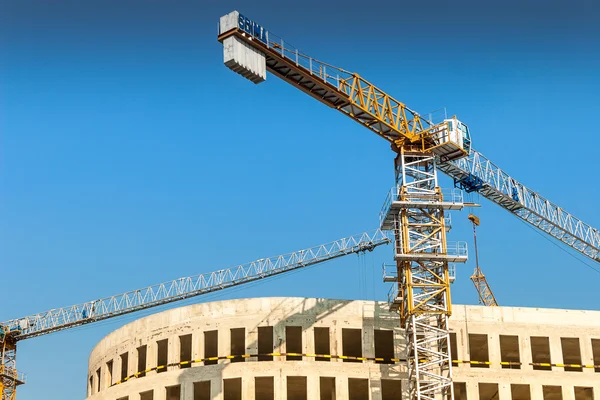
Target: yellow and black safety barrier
point(339, 357)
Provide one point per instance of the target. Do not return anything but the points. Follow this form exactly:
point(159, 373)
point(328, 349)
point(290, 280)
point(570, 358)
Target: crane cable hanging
point(486, 296)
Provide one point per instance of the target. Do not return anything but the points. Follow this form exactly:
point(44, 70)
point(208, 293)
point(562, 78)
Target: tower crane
point(414, 208)
point(59, 319)
point(486, 296)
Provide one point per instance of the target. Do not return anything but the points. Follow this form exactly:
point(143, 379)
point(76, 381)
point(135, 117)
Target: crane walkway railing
point(182, 288)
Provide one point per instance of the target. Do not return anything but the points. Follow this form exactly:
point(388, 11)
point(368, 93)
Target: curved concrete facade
point(520, 353)
point(242, 326)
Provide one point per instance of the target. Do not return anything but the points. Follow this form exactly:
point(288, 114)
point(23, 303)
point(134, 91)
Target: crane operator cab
point(452, 140)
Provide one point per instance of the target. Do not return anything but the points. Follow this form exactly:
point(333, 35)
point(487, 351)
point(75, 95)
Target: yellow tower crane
point(486, 296)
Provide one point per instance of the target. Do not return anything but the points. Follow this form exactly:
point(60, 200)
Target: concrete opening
point(202, 390)
point(293, 342)
point(596, 353)
point(296, 388)
point(352, 343)
point(520, 392)
point(478, 349)
point(124, 365)
point(384, 346)
point(185, 350)
point(460, 390)
point(211, 346)
point(552, 392)
point(232, 389)
point(91, 385)
point(571, 353)
point(509, 351)
point(327, 388)
point(265, 342)
point(488, 391)
point(123, 398)
point(540, 352)
point(391, 389)
point(173, 392)
point(238, 344)
point(162, 355)
point(453, 348)
point(358, 389)
point(322, 345)
point(141, 353)
point(584, 393)
point(149, 395)
point(109, 373)
point(264, 387)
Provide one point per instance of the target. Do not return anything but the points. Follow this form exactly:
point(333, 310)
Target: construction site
point(412, 341)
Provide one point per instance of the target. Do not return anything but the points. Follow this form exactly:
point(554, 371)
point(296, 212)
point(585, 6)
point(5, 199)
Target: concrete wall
point(525, 323)
point(249, 314)
point(478, 331)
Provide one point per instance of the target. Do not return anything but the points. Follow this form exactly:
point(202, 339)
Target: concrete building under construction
point(307, 348)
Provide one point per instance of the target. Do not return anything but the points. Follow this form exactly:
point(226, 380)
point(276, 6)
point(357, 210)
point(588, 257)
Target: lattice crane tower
point(414, 209)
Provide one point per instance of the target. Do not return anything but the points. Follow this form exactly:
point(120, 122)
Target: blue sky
point(130, 155)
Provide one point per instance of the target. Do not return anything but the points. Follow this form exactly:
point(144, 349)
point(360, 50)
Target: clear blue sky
point(130, 155)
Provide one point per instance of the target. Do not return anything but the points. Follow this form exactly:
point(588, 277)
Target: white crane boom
point(476, 173)
point(67, 317)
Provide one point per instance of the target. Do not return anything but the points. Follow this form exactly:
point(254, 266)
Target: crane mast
point(414, 209)
point(59, 319)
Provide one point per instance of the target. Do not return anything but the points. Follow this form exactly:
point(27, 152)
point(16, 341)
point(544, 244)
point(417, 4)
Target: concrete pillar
point(341, 388)
point(187, 390)
point(587, 355)
point(462, 345)
point(536, 391)
point(313, 385)
point(568, 392)
point(525, 353)
point(308, 342)
point(504, 392)
point(279, 387)
point(197, 345)
point(174, 352)
point(159, 392)
point(375, 389)
point(248, 387)
point(252, 341)
point(224, 343)
point(306, 336)
point(337, 345)
point(473, 390)
point(494, 350)
point(368, 333)
point(556, 356)
point(216, 388)
point(279, 338)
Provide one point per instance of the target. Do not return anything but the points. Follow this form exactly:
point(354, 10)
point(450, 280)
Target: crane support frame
point(499, 187)
point(423, 279)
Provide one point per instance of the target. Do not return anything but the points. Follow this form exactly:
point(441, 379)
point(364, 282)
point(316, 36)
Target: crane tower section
point(414, 209)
